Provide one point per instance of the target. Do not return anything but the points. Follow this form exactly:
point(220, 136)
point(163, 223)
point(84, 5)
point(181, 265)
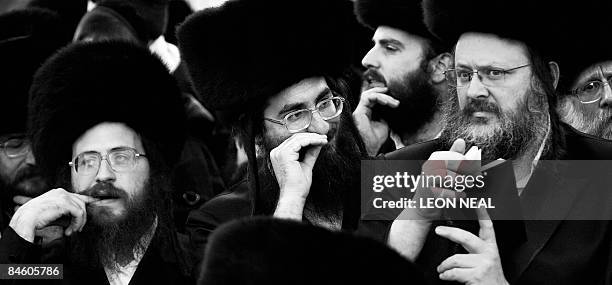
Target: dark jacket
point(538, 250)
point(157, 266)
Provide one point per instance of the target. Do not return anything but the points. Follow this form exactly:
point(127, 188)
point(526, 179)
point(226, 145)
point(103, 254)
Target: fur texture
point(249, 50)
point(274, 251)
point(405, 15)
point(27, 38)
point(85, 84)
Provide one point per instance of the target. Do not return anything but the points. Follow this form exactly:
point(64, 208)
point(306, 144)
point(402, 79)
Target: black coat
point(157, 266)
point(538, 251)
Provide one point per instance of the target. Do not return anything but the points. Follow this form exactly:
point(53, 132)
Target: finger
point(373, 99)
point(462, 275)
point(82, 205)
point(298, 141)
point(458, 146)
point(77, 215)
point(378, 89)
point(470, 242)
point(20, 200)
point(310, 157)
point(86, 199)
point(459, 261)
point(486, 233)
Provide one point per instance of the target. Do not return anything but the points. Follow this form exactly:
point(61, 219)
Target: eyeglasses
point(592, 91)
point(300, 120)
point(491, 77)
point(16, 146)
point(120, 160)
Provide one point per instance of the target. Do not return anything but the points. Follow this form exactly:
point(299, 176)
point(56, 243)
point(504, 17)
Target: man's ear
point(438, 65)
point(554, 71)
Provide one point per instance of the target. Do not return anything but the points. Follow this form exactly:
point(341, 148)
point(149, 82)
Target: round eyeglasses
point(489, 76)
point(300, 119)
point(593, 90)
point(119, 159)
point(15, 146)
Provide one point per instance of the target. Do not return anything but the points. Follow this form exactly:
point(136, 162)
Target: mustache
point(104, 190)
point(371, 76)
point(478, 105)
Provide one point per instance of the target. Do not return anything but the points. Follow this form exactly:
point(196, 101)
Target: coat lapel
point(546, 203)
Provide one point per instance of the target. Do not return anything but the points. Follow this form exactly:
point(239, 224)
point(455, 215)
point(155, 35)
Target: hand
point(440, 163)
point(373, 133)
point(482, 264)
point(41, 211)
point(294, 177)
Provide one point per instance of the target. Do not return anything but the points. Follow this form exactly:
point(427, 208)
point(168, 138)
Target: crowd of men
point(142, 142)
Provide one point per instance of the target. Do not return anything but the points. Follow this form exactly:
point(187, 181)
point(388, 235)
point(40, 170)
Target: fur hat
point(405, 15)
point(586, 38)
point(86, 84)
point(102, 23)
point(70, 11)
point(148, 17)
point(248, 50)
point(27, 38)
point(273, 251)
point(531, 22)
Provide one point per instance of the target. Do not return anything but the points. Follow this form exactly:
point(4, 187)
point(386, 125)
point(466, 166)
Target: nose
point(318, 125)
point(105, 173)
point(29, 159)
point(476, 89)
point(370, 59)
point(606, 97)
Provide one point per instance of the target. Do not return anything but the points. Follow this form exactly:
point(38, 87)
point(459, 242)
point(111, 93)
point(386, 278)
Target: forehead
point(593, 72)
point(105, 136)
point(304, 92)
point(478, 49)
point(389, 33)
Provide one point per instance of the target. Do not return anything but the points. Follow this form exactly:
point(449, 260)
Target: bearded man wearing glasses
point(288, 107)
point(503, 80)
point(107, 127)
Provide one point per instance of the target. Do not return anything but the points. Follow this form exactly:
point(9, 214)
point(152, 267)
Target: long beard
point(418, 102)
point(598, 123)
point(115, 243)
point(513, 134)
point(335, 178)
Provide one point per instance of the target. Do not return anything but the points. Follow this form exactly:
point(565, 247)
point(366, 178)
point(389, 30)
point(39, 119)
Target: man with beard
point(96, 121)
point(405, 84)
point(28, 37)
point(586, 67)
point(287, 105)
point(504, 79)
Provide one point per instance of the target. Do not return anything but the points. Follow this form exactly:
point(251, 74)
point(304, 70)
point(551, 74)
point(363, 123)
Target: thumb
point(310, 157)
point(458, 146)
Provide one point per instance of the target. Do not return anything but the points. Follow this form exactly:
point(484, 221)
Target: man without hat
point(405, 85)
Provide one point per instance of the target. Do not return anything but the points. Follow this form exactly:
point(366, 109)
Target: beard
point(335, 175)
point(597, 123)
point(418, 101)
point(113, 241)
point(513, 134)
point(28, 182)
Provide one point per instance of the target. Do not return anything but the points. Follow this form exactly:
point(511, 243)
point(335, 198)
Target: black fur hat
point(586, 41)
point(405, 15)
point(27, 38)
point(86, 84)
point(531, 22)
point(148, 17)
point(248, 50)
point(273, 251)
